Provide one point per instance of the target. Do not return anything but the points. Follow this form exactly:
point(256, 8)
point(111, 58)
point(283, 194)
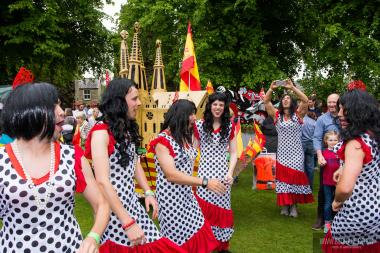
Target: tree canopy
point(57, 40)
point(251, 42)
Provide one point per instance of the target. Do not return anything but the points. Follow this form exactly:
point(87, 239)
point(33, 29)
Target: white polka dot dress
point(180, 217)
point(292, 185)
point(358, 222)
point(114, 238)
point(214, 164)
point(28, 229)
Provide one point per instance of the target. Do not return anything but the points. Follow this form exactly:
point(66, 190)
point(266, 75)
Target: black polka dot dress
point(180, 217)
point(356, 227)
point(214, 164)
point(26, 228)
point(114, 238)
point(292, 185)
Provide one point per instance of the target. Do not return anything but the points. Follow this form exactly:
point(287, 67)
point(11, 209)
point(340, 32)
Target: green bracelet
point(94, 236)
point(149, 193)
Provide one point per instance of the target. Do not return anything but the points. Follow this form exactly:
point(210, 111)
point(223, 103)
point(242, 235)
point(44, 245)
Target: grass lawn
point(259, 227)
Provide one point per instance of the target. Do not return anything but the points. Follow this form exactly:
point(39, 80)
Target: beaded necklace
point(40, 202)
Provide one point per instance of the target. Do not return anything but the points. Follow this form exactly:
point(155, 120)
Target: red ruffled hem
point(215, 215)
point(111, 142)
point(203, 241)
point(366, 149)
point(331, 246)
point(162, 140)
point(287, 199)
point(290, 176)
point(162, 245)
point(223, 246)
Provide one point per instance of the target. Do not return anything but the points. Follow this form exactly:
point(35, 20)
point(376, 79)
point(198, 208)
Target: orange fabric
point(265, 173)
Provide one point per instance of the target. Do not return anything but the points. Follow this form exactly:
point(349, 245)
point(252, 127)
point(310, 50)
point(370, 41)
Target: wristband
point(128, 225)
point(149, 193)
point(204, 182)
point(94, 236)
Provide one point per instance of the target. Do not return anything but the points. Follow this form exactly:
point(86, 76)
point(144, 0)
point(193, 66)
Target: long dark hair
point(29, 111)
point(362, 113)
point(115, 113)
point(225, 117)
point(292, 108)
point(177, 120)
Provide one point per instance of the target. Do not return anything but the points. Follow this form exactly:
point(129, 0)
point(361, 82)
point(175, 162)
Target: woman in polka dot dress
point(111, 145)
point(215, 134)
point(292, 185)
point(356, 226)
point(180, 216)
point(39, 178)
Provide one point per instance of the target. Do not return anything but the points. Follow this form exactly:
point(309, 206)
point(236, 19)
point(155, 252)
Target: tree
point(57, 40)
point(346, 45)
point(227, 36)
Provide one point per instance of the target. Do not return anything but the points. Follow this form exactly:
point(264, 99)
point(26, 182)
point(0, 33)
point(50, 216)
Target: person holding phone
point(215, 136)
point(292, 185)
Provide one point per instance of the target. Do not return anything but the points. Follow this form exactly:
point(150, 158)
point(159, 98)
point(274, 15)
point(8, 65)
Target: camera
point(280, 82)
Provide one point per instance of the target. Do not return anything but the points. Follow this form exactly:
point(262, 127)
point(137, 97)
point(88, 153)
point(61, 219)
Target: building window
point(86, 95)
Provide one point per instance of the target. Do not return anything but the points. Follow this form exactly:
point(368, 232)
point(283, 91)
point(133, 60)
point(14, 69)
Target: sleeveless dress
point(114, 239)
point(180, 216)
point(356, 226)
point(214, 164)
point(292, 185)
point(28, 229)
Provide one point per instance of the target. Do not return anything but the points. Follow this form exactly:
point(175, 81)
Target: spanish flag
point(239, 139)
point(254, 147)
point(189, 72)
point(209, 88)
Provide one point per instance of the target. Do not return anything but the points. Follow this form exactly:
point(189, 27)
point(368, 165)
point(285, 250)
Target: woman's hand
point(273, 85)
point(289, 84)
point(336, 206)
point(229, 179)
point(216, 186)
point(338, 174)
point(135, 235)
point(151, 201)
point(88, 245)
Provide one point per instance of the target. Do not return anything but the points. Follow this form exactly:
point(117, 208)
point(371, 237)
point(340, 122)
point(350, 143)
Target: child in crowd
point(330, 139)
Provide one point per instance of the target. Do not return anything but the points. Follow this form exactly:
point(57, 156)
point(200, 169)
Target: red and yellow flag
point(254, 147)
point(189, 72)
point(209, 88)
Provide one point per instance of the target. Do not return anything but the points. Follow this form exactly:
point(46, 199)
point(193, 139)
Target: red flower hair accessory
point(23, 76)
point(356, 84)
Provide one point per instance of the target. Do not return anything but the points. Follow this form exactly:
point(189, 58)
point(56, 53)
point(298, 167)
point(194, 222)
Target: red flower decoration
point(356, 84)
point(23, 76)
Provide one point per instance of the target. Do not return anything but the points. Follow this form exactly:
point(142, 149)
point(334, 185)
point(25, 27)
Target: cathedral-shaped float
point(157, 100)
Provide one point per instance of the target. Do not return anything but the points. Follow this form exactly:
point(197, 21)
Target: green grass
point(259, 227)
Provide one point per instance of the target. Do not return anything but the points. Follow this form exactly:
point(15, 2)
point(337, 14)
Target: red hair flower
point(23, 76)
point(356, 84)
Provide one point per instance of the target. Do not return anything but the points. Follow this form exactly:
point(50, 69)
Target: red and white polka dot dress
point(114, 238)
point(180, 217)
point(28, 229)
point(214, 164)
point(356, 226)
point(292, 185)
